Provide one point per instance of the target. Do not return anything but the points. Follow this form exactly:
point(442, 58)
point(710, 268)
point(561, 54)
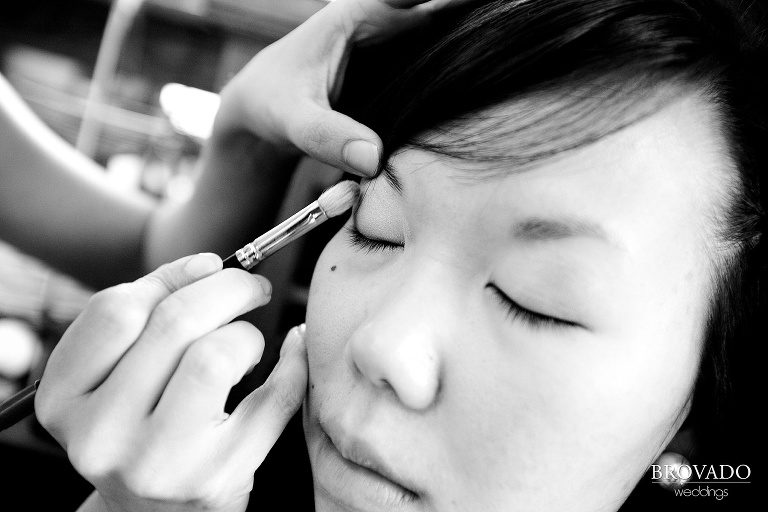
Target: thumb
point(336, 139)
point(263, 414)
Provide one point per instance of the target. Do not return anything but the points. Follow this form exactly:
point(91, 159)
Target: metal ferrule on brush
point(281, 235)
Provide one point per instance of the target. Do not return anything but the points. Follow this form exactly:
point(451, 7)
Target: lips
point(350, 470)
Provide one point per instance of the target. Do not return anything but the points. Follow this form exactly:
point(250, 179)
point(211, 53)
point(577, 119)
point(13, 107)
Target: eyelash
point(514, 310)
point(532, 318)
point(360, 241)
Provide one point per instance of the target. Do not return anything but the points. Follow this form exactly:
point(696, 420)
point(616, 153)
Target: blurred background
point(133, 84)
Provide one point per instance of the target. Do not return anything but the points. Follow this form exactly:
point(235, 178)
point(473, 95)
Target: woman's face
point(527, 341)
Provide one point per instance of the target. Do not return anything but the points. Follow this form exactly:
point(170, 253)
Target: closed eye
point(532, 318)
point(361, 242)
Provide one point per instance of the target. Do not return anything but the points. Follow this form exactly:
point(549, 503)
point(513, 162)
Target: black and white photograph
point(383, 255)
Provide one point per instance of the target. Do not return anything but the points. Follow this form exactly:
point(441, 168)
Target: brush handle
point(278, 237)
point(18, 407)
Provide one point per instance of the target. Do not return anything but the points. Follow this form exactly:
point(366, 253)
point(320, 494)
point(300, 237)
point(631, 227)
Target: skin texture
point(417, 366)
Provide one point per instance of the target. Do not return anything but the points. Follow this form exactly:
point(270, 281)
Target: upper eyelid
point(521, 310)
point(360, 240)
point(353, 229)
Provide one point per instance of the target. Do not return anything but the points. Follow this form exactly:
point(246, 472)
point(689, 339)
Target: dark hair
point(600, 65)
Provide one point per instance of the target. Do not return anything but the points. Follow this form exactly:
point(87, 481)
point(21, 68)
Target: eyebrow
point(540, 229)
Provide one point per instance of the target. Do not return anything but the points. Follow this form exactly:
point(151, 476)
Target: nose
point(399, 345)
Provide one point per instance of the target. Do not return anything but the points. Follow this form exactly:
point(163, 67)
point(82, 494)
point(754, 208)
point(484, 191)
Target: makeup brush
point(331, 203)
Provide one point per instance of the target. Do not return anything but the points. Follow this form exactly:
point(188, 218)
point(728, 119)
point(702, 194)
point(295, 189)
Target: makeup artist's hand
point(135, 390)
point(284, 94)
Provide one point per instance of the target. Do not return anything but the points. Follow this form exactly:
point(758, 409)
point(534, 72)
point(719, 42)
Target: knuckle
point(205, 494)
point(166, 278)
point(316, 137)
point(216, 492)
point(210, 362)
point(140, 485)
point(118, 309)
point(286, 397)
point(46, 411)
point(116, 306)
point(105, 299)
point(170, 318)
point(90, 461)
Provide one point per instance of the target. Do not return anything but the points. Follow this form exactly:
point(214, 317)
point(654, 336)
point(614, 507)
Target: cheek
point(522, 411)
point(336, 305)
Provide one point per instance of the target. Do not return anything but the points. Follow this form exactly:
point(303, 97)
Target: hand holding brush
point(333, 202)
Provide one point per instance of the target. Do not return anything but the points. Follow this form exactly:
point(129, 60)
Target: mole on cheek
point(333, 268)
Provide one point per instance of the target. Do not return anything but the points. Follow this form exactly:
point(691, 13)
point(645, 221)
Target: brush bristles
point(339, 198)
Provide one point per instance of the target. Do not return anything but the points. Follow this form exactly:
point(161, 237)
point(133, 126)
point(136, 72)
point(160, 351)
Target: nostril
point(399, 357)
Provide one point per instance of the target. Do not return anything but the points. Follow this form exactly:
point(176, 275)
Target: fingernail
point(203, 264)
point(363, 156)
point(295, 336)
point(265, 284)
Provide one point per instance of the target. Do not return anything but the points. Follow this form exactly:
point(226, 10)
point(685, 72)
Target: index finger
point(113, 320)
